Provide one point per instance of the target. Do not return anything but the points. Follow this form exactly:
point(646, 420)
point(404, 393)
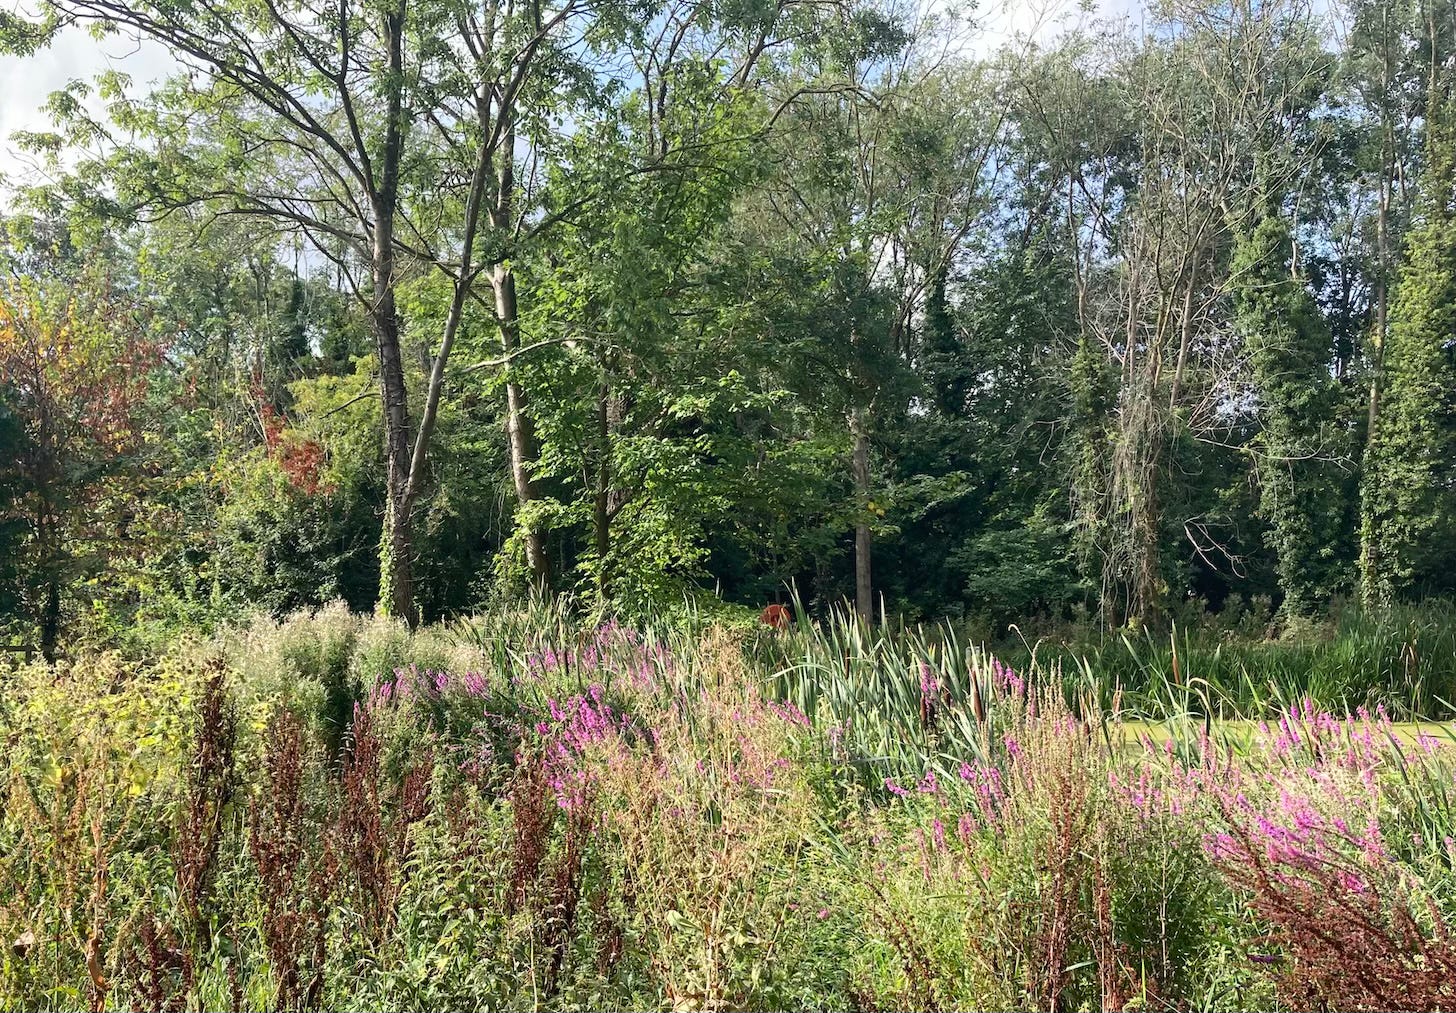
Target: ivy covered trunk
point(1408, 522)
point(396, 563)
point(396, 576)
point(1299, 487)
point(519, 431)
point(863, 590)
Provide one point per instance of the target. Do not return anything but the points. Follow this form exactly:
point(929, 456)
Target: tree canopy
point(418, 304)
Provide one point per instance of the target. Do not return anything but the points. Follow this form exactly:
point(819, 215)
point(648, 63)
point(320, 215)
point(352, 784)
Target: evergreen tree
point(1408, 511)
point(1289, 352)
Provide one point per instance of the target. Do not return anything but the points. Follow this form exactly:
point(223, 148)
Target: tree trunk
point(396, 563)
point(1370, 561)
point(396, 575)
point(1185, 333)
point(601, 512)
point(863, 589)
point(1382, 303)
point(50, 621)
point(1147, 598)
point(520, 432)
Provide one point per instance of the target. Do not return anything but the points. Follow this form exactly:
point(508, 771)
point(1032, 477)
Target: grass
point(1404, 661)
point(531, 811)
point(1243, 733)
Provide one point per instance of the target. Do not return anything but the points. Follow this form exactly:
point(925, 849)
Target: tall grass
point(1404, 661)
point(531, 810)
point(870, 684)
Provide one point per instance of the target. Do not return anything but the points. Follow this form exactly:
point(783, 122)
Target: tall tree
point(1152, 209)
point(336, 125)
point(878, 186)
point(1298, 449)
point(1408, 520)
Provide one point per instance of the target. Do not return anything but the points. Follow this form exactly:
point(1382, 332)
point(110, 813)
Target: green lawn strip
point(1242, 732)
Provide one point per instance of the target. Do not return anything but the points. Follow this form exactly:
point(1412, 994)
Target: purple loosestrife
point(1344, 912)
point(578, 724)
point(1006, 680)
point(790, 713)
point(433, 683)
point(612, 652)
point(930, 696)
point(987, 792)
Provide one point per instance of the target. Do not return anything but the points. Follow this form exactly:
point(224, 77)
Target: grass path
point(1241, 733)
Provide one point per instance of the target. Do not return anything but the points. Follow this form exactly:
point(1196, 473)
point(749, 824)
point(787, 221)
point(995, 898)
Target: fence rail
point(29, 650)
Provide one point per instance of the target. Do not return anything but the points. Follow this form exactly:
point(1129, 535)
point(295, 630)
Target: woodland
point(729, 505)
point(692, 303)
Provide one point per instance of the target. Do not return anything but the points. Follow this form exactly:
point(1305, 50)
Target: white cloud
point(26, 82)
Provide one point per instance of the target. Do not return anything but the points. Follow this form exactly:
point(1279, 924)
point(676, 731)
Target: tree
point(77, 373)
point(1153, 202)
point(339, 126)
point(878, 185)
point(1408, 520)
point(1298, 448)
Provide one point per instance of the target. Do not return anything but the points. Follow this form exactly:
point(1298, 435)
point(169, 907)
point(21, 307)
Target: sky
point(25, 82)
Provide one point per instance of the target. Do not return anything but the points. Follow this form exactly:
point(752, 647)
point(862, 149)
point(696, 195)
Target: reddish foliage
point(301, 457)
point(371, 830)
point(532, 817)
point(777, 616)
point(1349, 927)
point(295, 878)
point(211, 781)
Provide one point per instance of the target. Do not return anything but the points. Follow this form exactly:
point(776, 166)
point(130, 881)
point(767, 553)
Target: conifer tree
point(1408, 512)
point(1289, 351)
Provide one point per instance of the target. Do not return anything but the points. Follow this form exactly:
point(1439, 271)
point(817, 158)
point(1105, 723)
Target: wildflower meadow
point(525, 812)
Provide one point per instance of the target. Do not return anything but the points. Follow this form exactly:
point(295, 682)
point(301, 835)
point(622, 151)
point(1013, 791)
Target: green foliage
point(85, 402)
point(1409, 523)
point(1019, 573)
point(1299, 449)
point(625, 819)
point(1056, 356)
point(1099, 361)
